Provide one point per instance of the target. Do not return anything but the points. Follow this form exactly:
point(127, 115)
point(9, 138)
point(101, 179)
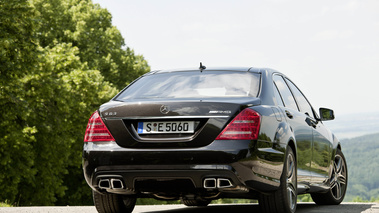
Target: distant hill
point(354, 125)
point(362, 156)
point(359, 136)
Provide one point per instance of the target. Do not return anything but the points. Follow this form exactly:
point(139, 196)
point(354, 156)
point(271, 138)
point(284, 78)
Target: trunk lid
point(199, 121)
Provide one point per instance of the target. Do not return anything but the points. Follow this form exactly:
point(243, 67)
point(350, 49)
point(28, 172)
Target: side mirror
point(326, 114)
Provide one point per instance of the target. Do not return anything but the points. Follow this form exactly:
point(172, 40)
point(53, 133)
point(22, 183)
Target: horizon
point(352, 125)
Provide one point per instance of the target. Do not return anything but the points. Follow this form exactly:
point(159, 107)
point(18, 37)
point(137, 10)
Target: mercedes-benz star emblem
point(165, 109)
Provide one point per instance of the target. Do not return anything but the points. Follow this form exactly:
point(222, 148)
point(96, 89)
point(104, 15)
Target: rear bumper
point(153, 170)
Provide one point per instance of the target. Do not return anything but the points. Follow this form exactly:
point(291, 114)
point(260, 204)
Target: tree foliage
point(60, 59)
point(88, 27)
point(17, 46)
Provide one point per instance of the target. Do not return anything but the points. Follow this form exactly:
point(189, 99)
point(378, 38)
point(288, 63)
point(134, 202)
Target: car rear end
point(178, 134)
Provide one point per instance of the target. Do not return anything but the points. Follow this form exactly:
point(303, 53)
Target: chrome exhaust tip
point(104, 184)
point(223, 183)
point(210, 183)
point(117, 184)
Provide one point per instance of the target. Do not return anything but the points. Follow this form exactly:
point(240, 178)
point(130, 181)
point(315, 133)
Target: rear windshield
point(197, 84)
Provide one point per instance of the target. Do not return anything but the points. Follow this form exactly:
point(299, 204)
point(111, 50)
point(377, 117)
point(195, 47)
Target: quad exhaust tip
point(111, 184)
point(223, 183)
point(104, 184)
point(213, 183)
point(117, 184)
point(210, 183)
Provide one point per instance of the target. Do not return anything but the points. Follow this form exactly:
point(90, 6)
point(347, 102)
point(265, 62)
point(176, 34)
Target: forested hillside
point(362, 155)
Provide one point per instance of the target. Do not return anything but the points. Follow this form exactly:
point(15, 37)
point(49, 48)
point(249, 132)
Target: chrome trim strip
point(270, 150)
point(164, 117)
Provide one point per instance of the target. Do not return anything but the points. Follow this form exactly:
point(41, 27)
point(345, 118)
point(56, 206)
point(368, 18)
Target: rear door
point(321, 145)
point(299, 122)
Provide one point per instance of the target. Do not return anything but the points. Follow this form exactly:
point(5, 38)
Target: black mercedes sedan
point(197, 135)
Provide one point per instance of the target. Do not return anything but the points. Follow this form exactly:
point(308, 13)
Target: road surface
point(214, 208)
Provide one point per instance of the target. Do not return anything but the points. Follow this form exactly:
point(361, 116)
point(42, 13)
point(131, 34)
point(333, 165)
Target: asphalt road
point(235, 208)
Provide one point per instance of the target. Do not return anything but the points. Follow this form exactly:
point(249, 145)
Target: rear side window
point(193, 84)
point(302, 102)
point(285, 92)
point(277, 96)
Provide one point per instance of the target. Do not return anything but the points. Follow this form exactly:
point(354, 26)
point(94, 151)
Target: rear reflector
point(245, 126)
point(96, 130)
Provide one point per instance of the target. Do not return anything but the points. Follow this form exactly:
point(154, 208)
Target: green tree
point(89, 27)
point(17, 49)
point(62, 93)
point(60, 59)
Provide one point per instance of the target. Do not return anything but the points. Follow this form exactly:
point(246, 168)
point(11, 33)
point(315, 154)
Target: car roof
point(235, 69)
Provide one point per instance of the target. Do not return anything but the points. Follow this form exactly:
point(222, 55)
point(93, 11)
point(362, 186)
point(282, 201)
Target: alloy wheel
point(291, 182)
point(338, 180)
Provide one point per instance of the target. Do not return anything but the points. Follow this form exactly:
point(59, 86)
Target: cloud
point(329, 35)
point(352, 6)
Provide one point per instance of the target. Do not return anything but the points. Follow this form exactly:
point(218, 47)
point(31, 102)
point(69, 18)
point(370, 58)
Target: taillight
point(96, 130)
point(245, 126)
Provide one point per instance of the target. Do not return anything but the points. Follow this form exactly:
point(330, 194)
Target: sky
point(330, 49)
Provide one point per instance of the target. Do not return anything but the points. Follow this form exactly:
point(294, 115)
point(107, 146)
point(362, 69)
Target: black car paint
point(253, 166)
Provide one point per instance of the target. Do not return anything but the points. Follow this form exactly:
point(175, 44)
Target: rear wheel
point(112, 203)
point(338, 183)
point(285, 199)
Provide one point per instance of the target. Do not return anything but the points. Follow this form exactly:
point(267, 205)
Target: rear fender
point(336, 145)
point(284, 138)
point(269, 152)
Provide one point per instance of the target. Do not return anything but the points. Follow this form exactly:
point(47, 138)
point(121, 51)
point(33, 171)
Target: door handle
point(311, 122)
point(289, 114)
point(314, 124)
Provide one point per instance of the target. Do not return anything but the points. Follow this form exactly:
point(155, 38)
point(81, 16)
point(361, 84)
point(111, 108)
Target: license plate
point(166, 127)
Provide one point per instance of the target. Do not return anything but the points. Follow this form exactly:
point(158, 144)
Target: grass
point(5, 204)
point(230, 200)
point(360, 200)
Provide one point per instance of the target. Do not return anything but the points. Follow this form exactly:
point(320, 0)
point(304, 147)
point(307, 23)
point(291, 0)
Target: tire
point(113, 203)
point(196, 202)
point(285, 198)
point(338, 183)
